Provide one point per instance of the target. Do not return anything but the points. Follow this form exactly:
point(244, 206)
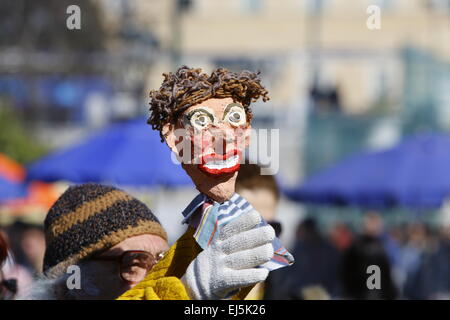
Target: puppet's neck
point(219, 189)
point(220, 192)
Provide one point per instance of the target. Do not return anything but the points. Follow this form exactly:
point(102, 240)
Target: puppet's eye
point(236, 116)
point(200, 120)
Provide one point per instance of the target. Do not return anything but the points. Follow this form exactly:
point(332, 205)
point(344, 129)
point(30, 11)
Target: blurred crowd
point(412, 259)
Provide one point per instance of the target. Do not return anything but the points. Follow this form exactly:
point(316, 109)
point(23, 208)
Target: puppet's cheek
point(242, 137)
point(201, 143)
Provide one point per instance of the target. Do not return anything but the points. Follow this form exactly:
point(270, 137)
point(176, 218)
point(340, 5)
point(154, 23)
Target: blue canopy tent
point(11, 190)
point(414, 174)
point(128, 154)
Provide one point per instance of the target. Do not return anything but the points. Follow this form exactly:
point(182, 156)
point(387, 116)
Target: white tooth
point(212, 165)
point(221, 164)
point(232, 161)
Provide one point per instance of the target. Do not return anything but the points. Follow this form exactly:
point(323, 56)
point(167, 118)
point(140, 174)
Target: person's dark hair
point(365, 252)
point(189, 86)
point(8, 287)
point(250, 177)
point(3, 249)
point(15, 233)
point(308, 230)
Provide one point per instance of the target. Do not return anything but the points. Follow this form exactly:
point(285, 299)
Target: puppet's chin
point(217, 165)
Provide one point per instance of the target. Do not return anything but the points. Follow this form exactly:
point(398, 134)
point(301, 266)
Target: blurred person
point(430, 279)
point(316, 272)
point(442, 266)
point(260, 190)
point(14, 232)
point(28, 245)
point(341, 236)
point(367, 250)
point(14, 277)
point(3, 248)
point(8, 286)
point(417, 235)
point(113, 238)
point(414, 242)
point(373, 226)
point(399, 233)
point(263, 193)
point(33, 246)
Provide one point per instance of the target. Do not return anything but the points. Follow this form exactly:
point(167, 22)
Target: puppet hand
point(230, 262)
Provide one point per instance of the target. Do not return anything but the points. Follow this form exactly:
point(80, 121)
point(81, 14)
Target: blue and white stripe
point(215, 218)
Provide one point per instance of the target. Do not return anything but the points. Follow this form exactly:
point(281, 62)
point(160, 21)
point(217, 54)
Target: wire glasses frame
point(133, 264)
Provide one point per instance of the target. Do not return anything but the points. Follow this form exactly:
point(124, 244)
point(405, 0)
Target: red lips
point(207, 159)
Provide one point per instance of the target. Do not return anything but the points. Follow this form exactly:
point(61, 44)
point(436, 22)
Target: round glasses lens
point(135, 266)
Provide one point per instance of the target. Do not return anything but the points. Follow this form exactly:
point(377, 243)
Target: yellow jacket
point(163, 282)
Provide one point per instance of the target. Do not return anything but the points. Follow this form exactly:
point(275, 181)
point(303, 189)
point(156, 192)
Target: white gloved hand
point(230, 262)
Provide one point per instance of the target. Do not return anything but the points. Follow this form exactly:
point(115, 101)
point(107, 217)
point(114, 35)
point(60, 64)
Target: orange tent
point(11, 170)
point(40, 198)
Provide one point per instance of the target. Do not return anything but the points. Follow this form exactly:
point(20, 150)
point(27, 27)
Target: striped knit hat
point(91, 218)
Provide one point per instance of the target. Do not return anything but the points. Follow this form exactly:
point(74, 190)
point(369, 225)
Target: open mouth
point(217, 164)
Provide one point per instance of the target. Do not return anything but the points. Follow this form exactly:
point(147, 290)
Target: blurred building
point(336, 85)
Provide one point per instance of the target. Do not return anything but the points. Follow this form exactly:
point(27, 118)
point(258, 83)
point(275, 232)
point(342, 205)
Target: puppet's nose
point(221, 141)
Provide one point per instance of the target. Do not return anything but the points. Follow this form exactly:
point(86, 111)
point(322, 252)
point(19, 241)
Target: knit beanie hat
point(91, 218)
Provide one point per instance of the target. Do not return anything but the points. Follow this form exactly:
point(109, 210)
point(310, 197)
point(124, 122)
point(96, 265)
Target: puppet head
point(205, 120)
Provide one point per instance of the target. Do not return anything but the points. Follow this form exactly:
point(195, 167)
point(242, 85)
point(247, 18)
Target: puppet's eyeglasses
point(202, 118)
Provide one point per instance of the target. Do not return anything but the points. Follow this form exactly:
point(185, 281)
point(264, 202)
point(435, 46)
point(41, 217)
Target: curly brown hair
point(189, 86)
